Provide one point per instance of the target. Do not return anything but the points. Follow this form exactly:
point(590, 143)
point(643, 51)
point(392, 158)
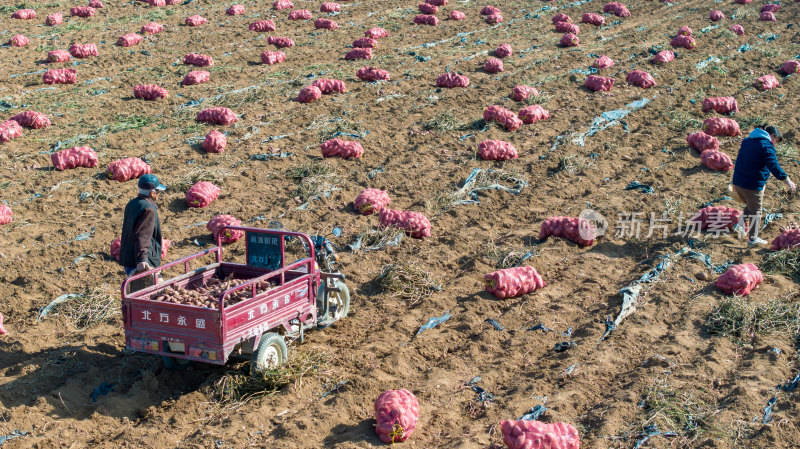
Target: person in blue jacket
point(755, 162)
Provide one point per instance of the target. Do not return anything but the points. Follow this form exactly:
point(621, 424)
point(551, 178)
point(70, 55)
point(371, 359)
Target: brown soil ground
point(719, 388)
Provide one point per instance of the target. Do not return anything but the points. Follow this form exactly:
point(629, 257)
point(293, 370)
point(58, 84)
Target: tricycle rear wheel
point(174, 363)
point(270, 354)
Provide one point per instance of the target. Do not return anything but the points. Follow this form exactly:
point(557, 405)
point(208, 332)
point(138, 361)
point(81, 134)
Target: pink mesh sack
point(663, 57)
point(685, 31)
point(396, 413)
point(83, 50)
point(415, 224)
point(18, 41)
point(60, 76)
point(235, 10)
point(538, 435)
point(451, 79)
point(681, 41)
point(365, 42)
point(533, 113)
point(457, 15)
point(216, 224)
point(129, 40)
point(567, 27)
point(740, 279)
point(82, 11)
point(721, 126)
point(493, 65)
point(329, 86)
point(489, 11)
point(575, 229)
point(5, 215)
point(738, 29)
point(503, 51)
point(788, 238)
point(54, 19)
point(522, 93)
point(599, 83)
point(283, 4)
point(262, 26)
point(9, 130)
point(767, 82)
point(616, 8)
point(569, 40)
point(790, 67)
point(329, 7)
point(722, 105)
point(280, 42)
point(195, 20)
point(372, 74)
point(767, 16)
point(309, 94)
point(717, 218)
point(58, 56)
point(201, 194)
point(593, 19)
point(424, 19)
point(217, 116)
point(152, 28)
point(376, 33)
point(341, 148)
point(560, 17)
point(196, 77)
point(427, 8)
point(503, 116)
point(149, 92)
point(73, 158)
point(300, 14)
point(371, 201)
point(24, 14)
point(716, 160)
point(215, 142)
point(513, 282)
point(496, 150)
point(31, 119)
point(358, 53)
point(640, 78)
point(198, 60)
point(716, 15)
point(701, 141)
point(128, 168)
point(272, 57)
point(603, 62)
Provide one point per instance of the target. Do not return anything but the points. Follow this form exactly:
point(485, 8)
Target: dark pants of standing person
point(752, 211)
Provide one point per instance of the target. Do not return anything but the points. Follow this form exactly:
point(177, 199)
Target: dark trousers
point(752, 210)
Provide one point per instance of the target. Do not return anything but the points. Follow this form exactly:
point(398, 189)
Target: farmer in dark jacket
point(140, 245)
point(755, 162)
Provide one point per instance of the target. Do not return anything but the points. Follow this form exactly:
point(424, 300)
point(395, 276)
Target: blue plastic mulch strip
point(470, 191)
point(533, 414)
point(639, 186)
point(650, 432)
point(494, 324)
point(610, 118)
point(12, 435)
point(102, 390)
point(768, 410)
point(435, 321)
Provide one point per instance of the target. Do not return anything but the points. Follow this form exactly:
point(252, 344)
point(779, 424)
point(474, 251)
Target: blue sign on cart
point(264, 250)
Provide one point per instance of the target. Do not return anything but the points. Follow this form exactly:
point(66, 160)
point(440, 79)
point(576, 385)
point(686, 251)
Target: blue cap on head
point(150, 182)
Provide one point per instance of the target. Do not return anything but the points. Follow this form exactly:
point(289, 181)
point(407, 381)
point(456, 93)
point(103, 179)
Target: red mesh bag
point(494, 19)
point(58, 56)
point(567, 27)
point(575, 229)
point(376, 33)
point(196, 77)
point(560, 17)
point(128, 168)
point(359, 53)
point(195, 20)
point(129, 40)
point(618, 9)
point(457, 15)
point(717, 217)
point(280, 42)
point(414, 224)
point(342, 148)
point(262, 26)
point(767, 16)
point(397, 413)
point(593, 19)
point(686, 42)
point(227, 236)
point(522, 93)
point(272, 57)
point(215, 142)
point(489, 10)
point(31, 119)
point(309, 94)
point(503, 51)
point(493, 65)
point(5, 217)
point(538, 435)
point(329, 7)
point(424, 19)
point(685, 31)
point(300, 14)
point(788, 238)
point(18, 41)
point(772, 7)
point(569, 40)
point(740, 279)
point(513, 282)
point(789, 67)
point(329, 86)
point(235, 10)
point(640, 78)
point(722, 105)
point(533, 113)
point(716, 160)
point(371, 201)
point(603, 62)
point(201, 194)
point(427, 8)
point(73, 158)
point(198, 60)
point(716, 15)
point(83, 50)
point(743, 2)
point(496, 150)
point(60, 76)
point(325, 24)
point(372, 74)
point(152, 28)
point(503, 116)
point(24, 14)
point(365, 42)
point(767, 82)
point(437, 2)
point(217, 116)
point(721, 126)
point(149, 92)
point(663, 57)
point(9, 130)
point(451, 79)
point(54, 19)
point(157, 2)
point(115, 248)
point(82, 11)
point(736, 28)
point(283, 4)
point(599, 83)
point(701, 141)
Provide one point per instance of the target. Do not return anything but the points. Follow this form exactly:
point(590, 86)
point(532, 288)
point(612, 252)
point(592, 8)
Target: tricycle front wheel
point(270, 354)
point(335, 305)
